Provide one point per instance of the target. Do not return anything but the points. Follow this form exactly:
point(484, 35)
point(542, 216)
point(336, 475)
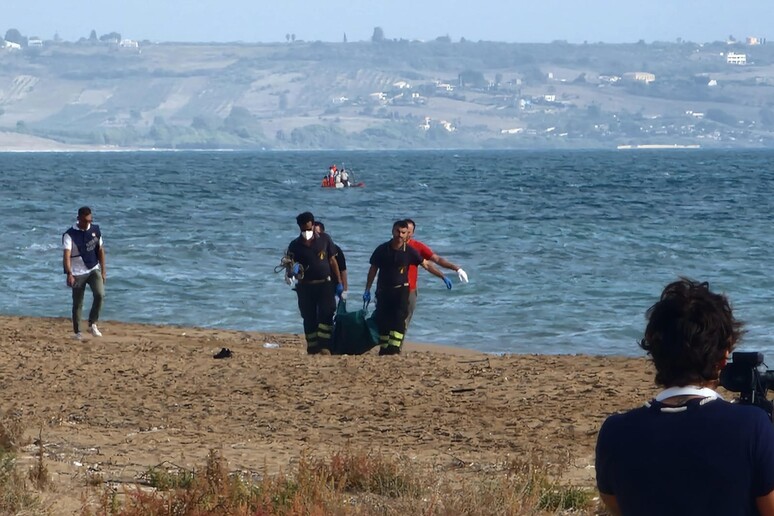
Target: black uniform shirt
point(393, 264)
point(314, 258)
point(340, 259)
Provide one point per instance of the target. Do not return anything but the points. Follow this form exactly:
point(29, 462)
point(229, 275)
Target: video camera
point(747, 375)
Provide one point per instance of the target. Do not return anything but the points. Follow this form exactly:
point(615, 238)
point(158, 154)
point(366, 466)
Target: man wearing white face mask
point(316, 270)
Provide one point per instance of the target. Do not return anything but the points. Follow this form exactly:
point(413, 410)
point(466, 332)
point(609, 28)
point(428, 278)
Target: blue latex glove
point(296, 269)
point(367, 296)
point(447, 282)
point(339, 289)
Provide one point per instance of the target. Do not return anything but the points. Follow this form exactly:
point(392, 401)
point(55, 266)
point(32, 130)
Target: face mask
point(307, 234)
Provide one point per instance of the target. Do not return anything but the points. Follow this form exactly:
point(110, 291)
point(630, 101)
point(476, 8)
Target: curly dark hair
point(303, 218)
point(690, 330)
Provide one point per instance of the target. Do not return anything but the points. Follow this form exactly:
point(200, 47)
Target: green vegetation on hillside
point(386, 94)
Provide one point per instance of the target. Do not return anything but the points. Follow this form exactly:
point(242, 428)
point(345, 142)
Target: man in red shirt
point(427, 254)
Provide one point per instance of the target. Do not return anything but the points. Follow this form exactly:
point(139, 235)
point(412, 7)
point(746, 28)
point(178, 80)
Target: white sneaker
point(95, 331)
point(77, 336)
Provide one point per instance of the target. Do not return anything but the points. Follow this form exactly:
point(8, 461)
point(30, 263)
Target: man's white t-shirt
point(77, 266)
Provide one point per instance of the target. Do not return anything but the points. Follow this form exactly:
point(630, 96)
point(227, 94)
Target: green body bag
point(354, 333)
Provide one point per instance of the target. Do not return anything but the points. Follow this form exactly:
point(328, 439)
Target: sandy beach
point(142, 395)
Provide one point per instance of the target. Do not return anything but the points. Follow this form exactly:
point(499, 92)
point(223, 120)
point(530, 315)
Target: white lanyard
point(688, 390)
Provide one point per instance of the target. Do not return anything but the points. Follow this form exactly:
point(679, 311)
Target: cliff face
point(395, 94)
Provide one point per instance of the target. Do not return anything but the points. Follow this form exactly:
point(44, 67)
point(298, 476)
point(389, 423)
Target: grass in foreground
point(345, 484)
point(15, 494)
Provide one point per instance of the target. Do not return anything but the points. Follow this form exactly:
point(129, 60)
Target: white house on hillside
point(645, 77)
point(736, 59)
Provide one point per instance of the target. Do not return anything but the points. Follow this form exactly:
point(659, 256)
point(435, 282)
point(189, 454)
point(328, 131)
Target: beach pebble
point(270, 345)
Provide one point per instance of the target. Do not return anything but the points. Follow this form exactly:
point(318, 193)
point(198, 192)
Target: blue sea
point(565, 250)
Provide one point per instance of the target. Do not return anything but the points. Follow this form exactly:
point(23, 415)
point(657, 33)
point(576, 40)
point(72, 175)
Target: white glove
point(344, 295)
point(462, 275)
point(288, 280)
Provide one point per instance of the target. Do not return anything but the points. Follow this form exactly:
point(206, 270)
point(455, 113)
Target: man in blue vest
point(84, 264)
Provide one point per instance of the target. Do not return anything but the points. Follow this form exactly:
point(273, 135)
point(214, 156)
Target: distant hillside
point(392, 94)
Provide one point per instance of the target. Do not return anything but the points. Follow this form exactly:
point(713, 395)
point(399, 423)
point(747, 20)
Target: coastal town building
point(735, 58)
point(645, 77)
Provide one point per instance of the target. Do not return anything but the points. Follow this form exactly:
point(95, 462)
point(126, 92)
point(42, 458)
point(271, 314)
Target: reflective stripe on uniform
point(395, 339)
point(324, 331)
point(311, 337)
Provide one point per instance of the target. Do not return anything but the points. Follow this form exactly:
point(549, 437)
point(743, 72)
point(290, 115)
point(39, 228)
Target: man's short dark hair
point(400, 224)
point(690, 330)
point(320, 225)
point(83, 211)
point(409, 221)
point(305, 217)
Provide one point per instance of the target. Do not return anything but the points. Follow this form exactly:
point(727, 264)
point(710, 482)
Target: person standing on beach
point(391, 260)
point(687, 451)
point(315, 268)
point(428, 254)
point(319, 228)
point(84, 264)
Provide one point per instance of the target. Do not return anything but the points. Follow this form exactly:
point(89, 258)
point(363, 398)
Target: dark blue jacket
point(87, 242)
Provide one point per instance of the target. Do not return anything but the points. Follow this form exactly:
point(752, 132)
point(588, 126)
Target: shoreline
point(144, 394)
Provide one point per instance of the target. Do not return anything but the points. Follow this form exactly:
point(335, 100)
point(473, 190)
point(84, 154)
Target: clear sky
point(539, 21)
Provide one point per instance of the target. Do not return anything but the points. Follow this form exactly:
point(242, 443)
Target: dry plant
point(15, 497)
point(348, 484)
point(11, 431)
point(38, 473)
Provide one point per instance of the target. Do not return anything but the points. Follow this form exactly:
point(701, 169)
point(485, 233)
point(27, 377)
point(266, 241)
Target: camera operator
point(688, 451)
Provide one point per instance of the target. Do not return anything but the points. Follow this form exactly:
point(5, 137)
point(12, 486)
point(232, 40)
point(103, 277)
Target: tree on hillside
point(472, 78)
point(242, 123)
point(110, 36)
point(720, 116)
point(14, 36)
point(287, 37)
point(93, 36)
point(345, 37)
point(293, 37)
point(378, 35)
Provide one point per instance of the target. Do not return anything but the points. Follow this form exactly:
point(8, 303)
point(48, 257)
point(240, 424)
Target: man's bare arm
point(371, 276)
point(432, 269)
point(443, 262)
point(68, 267)
point(102, 265)
point(335, 268)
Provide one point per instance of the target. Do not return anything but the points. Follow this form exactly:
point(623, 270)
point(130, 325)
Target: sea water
point(565, 250)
